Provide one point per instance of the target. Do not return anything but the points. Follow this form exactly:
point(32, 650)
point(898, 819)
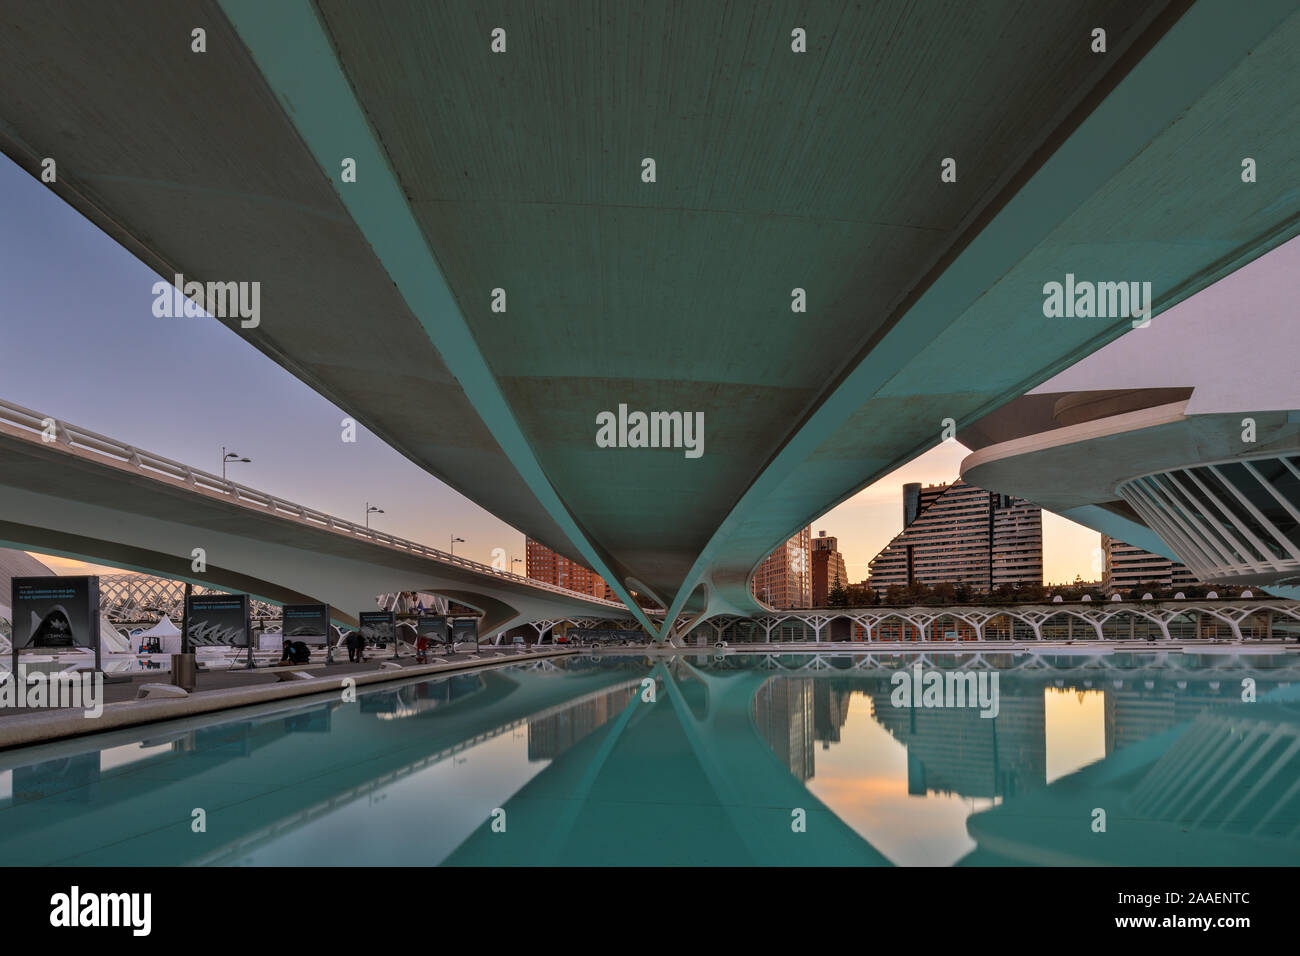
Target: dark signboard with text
point(55, 613)
point(217, 619)
point(309, 623)
point(464, 631)
point(434, 627)
point(377, 627)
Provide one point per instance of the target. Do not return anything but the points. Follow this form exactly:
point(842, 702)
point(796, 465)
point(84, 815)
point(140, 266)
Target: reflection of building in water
point(830, 710)
point(552, 735)
point(955, 750)
point(1136, 712)
point(784, 710)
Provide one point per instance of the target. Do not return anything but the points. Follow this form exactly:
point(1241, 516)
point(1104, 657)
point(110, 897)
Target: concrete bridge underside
point(86, 506)
point(775, 171)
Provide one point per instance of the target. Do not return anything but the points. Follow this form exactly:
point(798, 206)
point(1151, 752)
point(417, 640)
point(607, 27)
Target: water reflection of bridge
point(262, 776)
point(711, 771)
point(1221, 788)
point(1190, 773)
point(594, 705)
point(685, 780)
point(955, 750)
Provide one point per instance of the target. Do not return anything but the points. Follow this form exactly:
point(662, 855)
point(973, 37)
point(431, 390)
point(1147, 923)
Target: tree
point(1031, 593)
point(860, 595)
point(918, 592)
point(837, 597)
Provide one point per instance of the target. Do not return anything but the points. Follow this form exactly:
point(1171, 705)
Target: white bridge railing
point(36, 426)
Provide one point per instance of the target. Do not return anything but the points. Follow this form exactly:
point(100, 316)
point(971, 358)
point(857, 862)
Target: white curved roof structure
point(16, 564)
point(1182, 438)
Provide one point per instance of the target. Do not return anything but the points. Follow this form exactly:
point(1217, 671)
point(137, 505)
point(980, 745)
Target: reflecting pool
point(1093, 757)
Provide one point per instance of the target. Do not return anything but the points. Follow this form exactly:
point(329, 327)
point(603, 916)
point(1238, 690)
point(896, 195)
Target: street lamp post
point(227, 457)
point(371, 510)
point(513, 562)
point(454, 539)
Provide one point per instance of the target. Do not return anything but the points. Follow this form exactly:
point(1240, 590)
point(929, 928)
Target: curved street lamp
point(227, 457)
point(371, 510)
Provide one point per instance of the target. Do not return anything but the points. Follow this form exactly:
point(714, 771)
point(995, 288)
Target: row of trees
point(945, 592)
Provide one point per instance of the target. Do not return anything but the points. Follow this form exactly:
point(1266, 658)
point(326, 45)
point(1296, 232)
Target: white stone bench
point(288, 672)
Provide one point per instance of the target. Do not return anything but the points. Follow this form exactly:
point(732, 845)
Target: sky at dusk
point(85, 347)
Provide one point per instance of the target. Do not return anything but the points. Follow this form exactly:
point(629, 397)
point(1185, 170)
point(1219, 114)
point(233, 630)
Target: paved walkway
point(216, 677)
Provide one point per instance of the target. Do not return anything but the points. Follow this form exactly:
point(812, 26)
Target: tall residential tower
point(960, 534)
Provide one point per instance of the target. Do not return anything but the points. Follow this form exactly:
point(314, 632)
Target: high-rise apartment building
point(960, 534)
point(543, 564)
point(1127, 566)
point(784, 579)
point(828, 568)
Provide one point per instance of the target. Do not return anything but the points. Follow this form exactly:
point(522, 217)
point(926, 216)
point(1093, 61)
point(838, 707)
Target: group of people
point(297, 652)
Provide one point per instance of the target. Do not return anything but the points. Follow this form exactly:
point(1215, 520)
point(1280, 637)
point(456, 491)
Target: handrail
point(73, 436)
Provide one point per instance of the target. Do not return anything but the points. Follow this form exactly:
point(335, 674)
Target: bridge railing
point(51, 430)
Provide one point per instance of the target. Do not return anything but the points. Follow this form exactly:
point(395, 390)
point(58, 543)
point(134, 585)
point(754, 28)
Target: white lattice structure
point(136, 597)
point(1082, 621)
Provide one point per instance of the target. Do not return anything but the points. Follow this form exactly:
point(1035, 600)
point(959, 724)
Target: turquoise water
point(791, 760)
